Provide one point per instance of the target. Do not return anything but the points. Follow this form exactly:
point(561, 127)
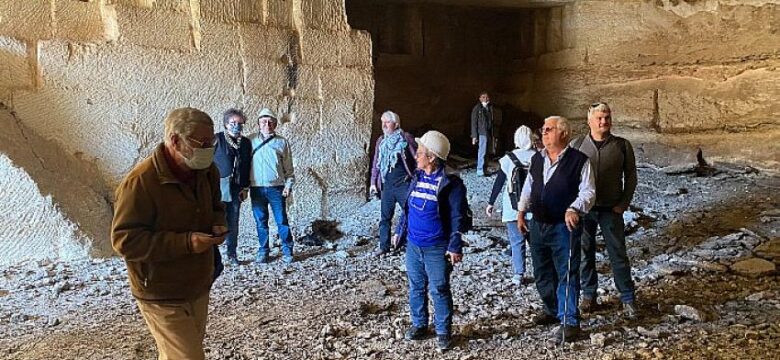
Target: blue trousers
point(482, 150)
point(262, 197)
point(613, 229)
point(550, 251)
point(429, 271)
point(517, 244)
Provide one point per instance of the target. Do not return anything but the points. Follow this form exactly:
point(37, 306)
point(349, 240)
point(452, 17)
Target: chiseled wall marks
point(96, 80)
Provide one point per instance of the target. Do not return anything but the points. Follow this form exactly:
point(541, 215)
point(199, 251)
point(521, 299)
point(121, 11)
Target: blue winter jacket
point(453, 208)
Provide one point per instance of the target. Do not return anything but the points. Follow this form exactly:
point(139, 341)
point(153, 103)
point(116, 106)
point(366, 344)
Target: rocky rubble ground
point(704, 250)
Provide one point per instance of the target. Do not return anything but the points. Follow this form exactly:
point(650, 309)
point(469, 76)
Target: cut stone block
point(85, 21)
point(325, 14)
point(15, 69)
point(232, 11)
point(27, 20)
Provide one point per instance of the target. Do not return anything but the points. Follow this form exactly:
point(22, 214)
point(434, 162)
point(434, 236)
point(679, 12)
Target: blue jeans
point(517, 243)
point(550, 252)
point(429, 270)
point(262, 196)
point(613, 229)
point(481, 153)
point(391, 195)
point(232, 213)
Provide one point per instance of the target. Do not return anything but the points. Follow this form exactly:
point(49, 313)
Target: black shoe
point(415, 333)
point(630, 311)
point(566, 333)
point(587, 304)
point(379, 252)
point(544, 318)
point(444, 342)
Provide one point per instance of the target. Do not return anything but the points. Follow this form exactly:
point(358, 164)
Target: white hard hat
point(436, 142)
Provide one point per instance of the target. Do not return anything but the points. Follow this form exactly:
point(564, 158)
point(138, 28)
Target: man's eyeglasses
point(597, 104)
point(546, 129)
point(204, 144)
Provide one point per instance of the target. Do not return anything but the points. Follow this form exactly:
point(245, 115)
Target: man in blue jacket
point(433, 219)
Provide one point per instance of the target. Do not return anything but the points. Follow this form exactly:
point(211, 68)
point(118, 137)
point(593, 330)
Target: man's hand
point(521, 224)
point(619, 209)
point(201, 241)
point(242, 195)
point(572, 218)
point(473, 141)
point(489, 210)
point(286, 192)
point(455, 258)
point(372, 191)
point(395, 240)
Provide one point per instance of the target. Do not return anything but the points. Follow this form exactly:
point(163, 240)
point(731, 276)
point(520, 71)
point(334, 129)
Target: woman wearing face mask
point(233, 158)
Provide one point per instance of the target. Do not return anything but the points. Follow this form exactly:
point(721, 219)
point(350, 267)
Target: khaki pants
point(178, 327)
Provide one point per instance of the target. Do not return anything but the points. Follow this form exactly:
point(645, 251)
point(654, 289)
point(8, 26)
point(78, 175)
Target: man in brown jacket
point(168, 217)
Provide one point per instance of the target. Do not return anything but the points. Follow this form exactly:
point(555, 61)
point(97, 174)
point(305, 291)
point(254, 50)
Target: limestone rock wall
point(685, 73)
point(95, 80)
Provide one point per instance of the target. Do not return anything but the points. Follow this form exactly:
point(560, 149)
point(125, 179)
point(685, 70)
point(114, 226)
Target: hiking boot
point(507, 252)
point(630, 311)
point(587, 305)
point(415, 333)
point(566, 333)
point(543, 318)
point(261, 259)
point(232, 261)
point(379, 252)
point(443, 342)
point(522, 280)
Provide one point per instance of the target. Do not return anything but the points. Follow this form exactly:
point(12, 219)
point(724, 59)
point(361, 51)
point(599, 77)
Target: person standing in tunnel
point(391, 171)
point(433, 221)
point(558, 191)
point(233, 158)
point(271, 179)
point(614, 168)
point(509, 183)
point(485, 123)
point(168, 217)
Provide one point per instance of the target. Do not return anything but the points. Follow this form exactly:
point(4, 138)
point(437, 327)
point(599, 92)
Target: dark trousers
point(232, 213)
point(613, 229)
point(391, 194)
point(550, 250)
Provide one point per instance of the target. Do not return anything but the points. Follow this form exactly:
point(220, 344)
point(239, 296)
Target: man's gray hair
point(391, 116)
point(599, 106)
point(183, 121)
point(562, 125)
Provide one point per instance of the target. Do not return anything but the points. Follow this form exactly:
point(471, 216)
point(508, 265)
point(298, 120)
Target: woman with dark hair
point(233, 158)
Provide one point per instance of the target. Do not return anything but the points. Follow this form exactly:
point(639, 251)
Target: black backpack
point(516, 180)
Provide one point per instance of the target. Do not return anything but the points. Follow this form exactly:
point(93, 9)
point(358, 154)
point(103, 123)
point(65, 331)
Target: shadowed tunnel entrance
point(432, 60)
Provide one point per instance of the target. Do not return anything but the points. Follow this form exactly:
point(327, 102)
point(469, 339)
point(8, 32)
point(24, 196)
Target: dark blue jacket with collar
point(225, 159)
point(453, 207)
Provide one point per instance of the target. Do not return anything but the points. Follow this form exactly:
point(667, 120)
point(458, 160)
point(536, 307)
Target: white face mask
point(201, 158)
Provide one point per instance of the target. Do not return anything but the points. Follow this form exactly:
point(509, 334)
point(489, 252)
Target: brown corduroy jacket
point(154, 215)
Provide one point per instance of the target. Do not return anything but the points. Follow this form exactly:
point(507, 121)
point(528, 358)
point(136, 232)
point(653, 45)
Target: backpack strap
point(262, 144)
point(514, 159)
